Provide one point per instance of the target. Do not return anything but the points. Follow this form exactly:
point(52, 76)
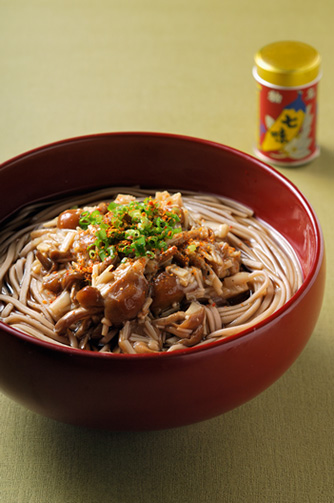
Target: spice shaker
point(287, 75)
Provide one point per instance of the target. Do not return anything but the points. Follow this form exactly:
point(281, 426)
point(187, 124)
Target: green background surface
point(70, 68)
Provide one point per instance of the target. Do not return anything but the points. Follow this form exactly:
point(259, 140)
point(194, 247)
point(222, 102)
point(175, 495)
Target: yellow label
point(284, 129)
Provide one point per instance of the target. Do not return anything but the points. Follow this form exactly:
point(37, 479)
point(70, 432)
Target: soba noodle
point(216, 271)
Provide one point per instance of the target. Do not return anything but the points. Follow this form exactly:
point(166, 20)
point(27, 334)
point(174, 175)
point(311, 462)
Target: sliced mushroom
point(73, 316)
point(166, 291)
point(125, 297)
point(69, 219)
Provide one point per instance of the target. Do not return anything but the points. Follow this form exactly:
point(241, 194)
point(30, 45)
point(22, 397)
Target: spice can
point(287, 75)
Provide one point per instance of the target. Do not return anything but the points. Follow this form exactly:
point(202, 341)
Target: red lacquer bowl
point(146, 392)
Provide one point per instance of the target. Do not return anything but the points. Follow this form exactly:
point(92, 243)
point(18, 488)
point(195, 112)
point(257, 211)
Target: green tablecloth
point(75, 67)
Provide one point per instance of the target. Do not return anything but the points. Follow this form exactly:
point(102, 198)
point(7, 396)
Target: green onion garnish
point(136, 229)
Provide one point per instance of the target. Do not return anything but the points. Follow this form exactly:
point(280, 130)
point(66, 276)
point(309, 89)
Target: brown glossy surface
point(165, 390)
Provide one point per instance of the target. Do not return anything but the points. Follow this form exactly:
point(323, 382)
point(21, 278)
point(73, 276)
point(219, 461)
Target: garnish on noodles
point(141, 273)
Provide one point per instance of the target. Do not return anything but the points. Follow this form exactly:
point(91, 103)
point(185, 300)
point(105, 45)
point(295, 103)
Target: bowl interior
point(165, 162)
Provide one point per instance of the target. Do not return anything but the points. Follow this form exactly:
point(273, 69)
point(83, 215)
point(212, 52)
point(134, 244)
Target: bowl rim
point(211, 345)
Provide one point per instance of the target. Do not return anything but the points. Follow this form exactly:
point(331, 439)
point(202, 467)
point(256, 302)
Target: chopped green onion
point(136, 229)
point(192, 248)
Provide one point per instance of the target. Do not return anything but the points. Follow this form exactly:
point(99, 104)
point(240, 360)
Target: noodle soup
point(131, 271)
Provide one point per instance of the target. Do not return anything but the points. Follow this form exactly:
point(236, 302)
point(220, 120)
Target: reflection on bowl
point(161, 390)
